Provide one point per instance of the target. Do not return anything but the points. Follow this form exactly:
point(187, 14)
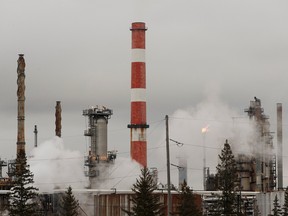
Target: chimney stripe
point(138, 113)
point(139, 152)
point(138, 75)
point(138, 55)
point(138, 94)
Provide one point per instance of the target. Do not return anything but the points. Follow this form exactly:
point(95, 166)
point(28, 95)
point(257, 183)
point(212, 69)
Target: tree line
point(24, 200)
point(226, 181)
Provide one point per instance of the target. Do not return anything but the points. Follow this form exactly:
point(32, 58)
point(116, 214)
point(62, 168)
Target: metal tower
point(264, 178)
point(98, 156)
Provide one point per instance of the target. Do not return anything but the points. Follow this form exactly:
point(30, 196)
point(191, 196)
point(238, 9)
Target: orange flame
point(205, 129)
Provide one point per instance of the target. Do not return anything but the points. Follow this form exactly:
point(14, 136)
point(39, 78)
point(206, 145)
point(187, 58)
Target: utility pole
point(168, 167)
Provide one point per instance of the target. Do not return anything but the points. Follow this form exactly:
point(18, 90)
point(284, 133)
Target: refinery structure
point(99, 157)
point(260, 172)
point(257, 170)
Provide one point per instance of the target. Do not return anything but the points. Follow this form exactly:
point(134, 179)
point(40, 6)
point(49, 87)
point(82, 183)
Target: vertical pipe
point(279, 146)
point(35, 136)
point(21, 104)
point(138, 125)
point(58, 119)
point(204, 131)
point(168, 168)
point(204, 161)
point(258, 111)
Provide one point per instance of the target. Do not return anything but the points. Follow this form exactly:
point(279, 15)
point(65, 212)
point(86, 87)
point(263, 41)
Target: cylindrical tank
point(97, 130)
point(101, 138)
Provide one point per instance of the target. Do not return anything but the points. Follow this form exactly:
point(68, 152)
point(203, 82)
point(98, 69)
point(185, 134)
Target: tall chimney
point(138, 148)
point(21, 104)
point(35, 136)
point(279, 146)
point(58, 119)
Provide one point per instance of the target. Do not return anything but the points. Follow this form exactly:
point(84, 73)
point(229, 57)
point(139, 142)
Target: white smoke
point(55, 166)
point(121, 175)
point(185, 126)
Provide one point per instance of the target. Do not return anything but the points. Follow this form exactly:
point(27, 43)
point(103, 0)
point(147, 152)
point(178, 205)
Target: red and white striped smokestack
point(138, 148)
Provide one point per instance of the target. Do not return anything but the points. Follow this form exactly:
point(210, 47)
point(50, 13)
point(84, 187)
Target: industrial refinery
point(260, 171)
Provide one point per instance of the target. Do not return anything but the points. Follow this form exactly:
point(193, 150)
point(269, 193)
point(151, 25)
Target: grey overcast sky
point(78, 52)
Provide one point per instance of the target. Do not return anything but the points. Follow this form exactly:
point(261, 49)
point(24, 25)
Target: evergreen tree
point(276, 207)
point(227, 180)
point(285, 206)
point(187, 205)
point(69, 205)
point(22, 196)
point(145, 202)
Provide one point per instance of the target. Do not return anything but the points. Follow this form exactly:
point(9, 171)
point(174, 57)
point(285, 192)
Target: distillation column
point(99, 158)
point(21, 104)
point(138, 126)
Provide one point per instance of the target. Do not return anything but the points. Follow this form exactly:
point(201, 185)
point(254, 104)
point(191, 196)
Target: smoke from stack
point(54, 165)
point(21, 103)
point(138, 148)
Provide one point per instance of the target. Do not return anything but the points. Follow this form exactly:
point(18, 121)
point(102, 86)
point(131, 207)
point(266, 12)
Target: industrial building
point(257, 172)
